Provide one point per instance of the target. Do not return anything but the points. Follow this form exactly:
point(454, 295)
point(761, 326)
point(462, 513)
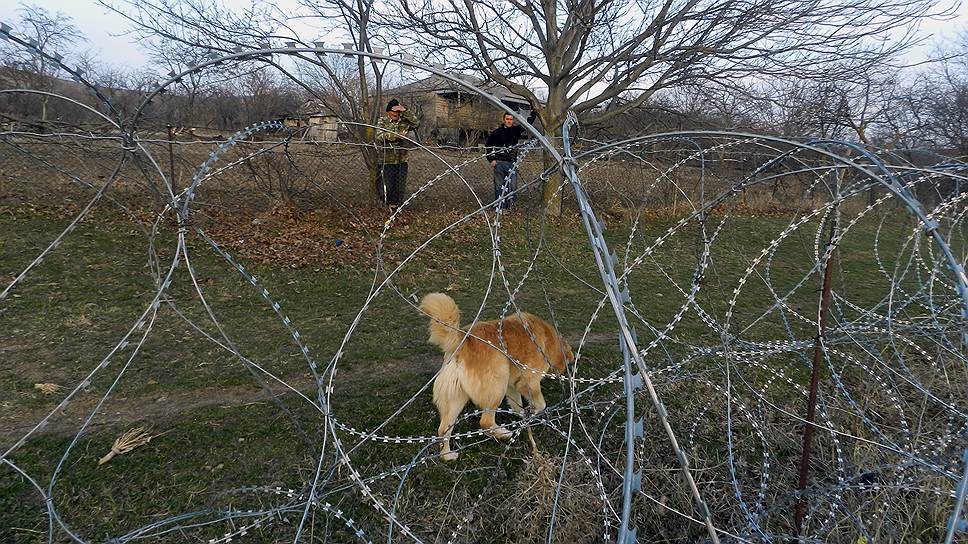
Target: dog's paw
point(501, 433)
point(449, 455)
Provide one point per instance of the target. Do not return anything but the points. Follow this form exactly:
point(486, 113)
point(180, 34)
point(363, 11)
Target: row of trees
point(234, 97)
point(920, 108)
point(625, 66)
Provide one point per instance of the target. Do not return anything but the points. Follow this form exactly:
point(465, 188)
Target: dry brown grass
point(526, 508)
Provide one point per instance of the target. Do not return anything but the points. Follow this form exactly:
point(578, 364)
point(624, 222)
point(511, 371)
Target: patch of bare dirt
point(122, 411)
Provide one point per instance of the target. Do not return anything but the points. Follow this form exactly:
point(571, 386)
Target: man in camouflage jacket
point(393, 136)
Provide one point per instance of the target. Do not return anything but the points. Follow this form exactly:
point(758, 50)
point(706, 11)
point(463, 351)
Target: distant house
point(450, 113)
point(322, 125)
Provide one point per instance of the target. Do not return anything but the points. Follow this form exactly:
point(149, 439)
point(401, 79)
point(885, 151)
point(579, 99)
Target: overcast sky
point(105, 29)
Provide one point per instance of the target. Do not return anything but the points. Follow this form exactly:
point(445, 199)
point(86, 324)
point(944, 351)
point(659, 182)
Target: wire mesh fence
point(768, 341)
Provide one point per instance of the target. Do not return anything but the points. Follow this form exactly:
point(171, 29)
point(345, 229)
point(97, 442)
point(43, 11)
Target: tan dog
point(477, 367)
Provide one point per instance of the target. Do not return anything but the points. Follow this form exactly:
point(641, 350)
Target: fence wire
point(723, 294)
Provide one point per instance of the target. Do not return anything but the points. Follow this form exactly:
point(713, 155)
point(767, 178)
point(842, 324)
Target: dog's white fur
point(477, 367)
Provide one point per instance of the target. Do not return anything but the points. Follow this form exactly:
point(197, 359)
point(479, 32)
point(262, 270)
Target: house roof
point(314, 108)
point(441, 85)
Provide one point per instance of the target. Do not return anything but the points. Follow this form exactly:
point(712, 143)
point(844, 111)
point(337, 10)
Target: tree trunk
point(551, 198)
point(367, 136)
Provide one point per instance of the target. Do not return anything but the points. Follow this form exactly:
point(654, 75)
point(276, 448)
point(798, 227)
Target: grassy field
point(228, 432)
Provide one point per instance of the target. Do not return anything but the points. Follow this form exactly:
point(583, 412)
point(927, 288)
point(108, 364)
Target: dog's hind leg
point(449, 409)
point(450, 399)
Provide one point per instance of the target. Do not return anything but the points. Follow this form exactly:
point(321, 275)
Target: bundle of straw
point(48, 388)
point(127, 442)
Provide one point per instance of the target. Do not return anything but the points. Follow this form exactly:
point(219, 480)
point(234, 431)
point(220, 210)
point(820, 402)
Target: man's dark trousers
point(391, 183)
point(501, 172)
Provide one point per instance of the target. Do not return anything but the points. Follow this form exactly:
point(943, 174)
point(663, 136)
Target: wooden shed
point(451, 114)
point(320, 123)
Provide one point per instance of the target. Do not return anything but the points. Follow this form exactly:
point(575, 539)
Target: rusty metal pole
point(818, 351)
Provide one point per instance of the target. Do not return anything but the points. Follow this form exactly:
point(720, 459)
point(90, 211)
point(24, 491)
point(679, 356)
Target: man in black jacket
point(502, 151)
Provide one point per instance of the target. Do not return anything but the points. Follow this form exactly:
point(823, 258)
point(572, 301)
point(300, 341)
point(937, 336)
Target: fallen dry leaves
point(324, 238)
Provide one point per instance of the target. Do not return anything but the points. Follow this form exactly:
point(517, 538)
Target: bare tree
point(906, 127)
point(124, 87)
point(946, 91)
point(809, 108)
point(587, 53)
point(170, 56)
point(264, 96)
point(715, 106)
point(351, 90)
point(51, 33)
point(929, 109)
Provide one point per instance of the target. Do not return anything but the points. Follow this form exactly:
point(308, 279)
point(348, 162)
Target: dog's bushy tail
point(444, 321)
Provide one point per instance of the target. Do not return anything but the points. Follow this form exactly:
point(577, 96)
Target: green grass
point(222, 432)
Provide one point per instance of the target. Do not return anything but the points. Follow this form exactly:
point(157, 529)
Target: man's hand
point(399, 108)
point(493, 164)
